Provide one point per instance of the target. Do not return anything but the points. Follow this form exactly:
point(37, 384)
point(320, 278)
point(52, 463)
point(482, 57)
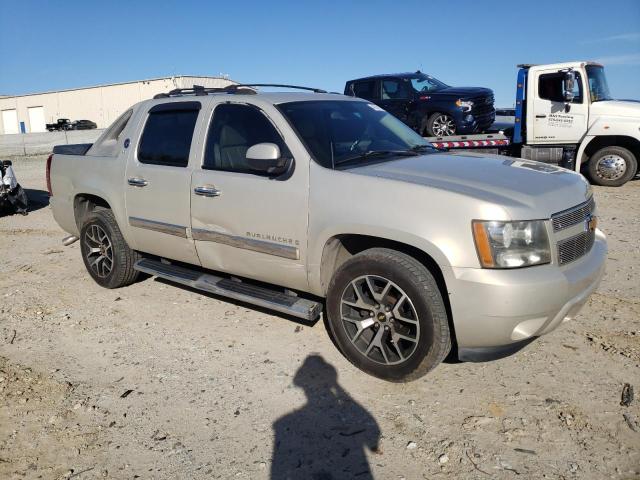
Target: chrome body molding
point(270, 248)
point(161, 227)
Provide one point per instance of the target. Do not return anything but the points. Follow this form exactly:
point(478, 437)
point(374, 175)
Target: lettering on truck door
point(552, 121)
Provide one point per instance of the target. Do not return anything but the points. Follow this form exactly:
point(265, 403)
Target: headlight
point(511, 244)
point(465, 104)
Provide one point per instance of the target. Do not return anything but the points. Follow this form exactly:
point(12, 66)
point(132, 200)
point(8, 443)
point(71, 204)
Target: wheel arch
point(425, 118)
point(341, 247)
point(587, 149)
point(84, 204)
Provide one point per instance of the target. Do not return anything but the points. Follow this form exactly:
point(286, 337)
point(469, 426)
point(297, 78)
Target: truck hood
point(464, 92)
point(617, 108)
point(524, 188)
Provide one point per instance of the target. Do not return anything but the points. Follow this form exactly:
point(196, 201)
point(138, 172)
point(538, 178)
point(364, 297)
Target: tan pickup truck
point(315, 203)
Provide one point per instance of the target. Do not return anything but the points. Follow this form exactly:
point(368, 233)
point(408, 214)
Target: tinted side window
point(551, 87)
point(233, 130)
point(396, 89)
point(365, 90)
point(166, 139)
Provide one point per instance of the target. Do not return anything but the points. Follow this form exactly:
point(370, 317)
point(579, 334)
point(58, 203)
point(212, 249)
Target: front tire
point(440, 125)
point(612, 166)
point(105, 253)
point(387, 315)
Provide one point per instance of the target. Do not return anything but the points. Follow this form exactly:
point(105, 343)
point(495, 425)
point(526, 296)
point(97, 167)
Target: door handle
point(137, 182)
point(207, 191)
point(541, 116)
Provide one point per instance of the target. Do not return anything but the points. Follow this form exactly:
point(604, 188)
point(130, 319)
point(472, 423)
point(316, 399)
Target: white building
point(101, 104)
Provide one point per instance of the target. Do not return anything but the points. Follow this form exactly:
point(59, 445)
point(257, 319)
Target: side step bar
point(263, 297)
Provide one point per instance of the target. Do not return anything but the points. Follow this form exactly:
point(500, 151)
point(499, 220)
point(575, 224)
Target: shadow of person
point(326, 438)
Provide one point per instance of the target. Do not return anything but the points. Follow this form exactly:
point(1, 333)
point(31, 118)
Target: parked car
point(84, 125)
point(429, 106)
point(304, 203)
point(61, 124)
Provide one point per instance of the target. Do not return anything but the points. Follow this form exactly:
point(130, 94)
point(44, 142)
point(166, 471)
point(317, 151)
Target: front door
point(245, 223)
point(158, 181)
point(553, 120)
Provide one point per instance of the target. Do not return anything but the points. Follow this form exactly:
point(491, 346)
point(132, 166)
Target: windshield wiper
point(376, 154)
point(422, 148)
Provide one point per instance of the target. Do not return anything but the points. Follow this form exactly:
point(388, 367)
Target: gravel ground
point(156, 381)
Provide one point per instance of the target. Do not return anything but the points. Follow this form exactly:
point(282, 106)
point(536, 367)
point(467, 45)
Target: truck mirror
point(266, 158)
point(569, 84)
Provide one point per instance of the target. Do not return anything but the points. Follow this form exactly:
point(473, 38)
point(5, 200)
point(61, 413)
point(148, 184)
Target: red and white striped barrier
point(471, 143)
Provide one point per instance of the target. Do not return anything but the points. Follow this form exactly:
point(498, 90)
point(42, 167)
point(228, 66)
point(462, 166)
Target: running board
point(263, 297)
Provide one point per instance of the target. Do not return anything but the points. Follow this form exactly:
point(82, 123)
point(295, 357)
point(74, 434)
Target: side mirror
point(266, 158)
point(569, 84)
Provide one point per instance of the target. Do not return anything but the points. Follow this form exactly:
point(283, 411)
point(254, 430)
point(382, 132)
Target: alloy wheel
point(443, 126)
point(611, 167)
point(379, 319)
point(99, 251)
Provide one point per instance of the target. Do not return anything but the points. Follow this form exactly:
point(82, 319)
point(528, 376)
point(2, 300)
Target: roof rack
point(310, 89)
point(199, 90)
point(247, 89)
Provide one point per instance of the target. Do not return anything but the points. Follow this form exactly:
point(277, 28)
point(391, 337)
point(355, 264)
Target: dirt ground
point(156, 381)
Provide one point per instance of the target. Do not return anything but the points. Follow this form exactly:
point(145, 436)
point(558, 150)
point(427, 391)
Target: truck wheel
point(440, 125)
point(105, 253)
point(612, 166)
point(387, 316)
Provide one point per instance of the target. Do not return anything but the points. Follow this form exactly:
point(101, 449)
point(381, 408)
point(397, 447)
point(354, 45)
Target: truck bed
point(74, 149)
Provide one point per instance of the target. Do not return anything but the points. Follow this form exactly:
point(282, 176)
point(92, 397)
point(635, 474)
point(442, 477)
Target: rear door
point(158, 180)
point(366, 89)
point(396, 95)
point(552, 122)
point(245, 223)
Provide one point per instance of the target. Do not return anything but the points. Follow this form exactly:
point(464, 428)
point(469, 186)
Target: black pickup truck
point(66, 124)
point(426, 104)
point(61, 124)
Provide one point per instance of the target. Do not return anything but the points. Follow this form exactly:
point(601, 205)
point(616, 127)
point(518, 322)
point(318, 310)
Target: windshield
point(427, 83)
point(598, 88)
point(336, 132)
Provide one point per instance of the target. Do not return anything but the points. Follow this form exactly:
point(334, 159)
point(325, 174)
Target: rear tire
point(612, 166)
point(105, 253)
point(387, 315)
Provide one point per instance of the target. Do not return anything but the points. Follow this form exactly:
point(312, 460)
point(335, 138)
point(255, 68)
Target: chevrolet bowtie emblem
point(590, 223)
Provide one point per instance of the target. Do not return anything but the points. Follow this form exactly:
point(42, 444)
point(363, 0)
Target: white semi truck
point(566, 116)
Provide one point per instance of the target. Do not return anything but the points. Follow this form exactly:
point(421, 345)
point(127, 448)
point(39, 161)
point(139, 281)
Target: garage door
point(36, 119)
point(10, 121)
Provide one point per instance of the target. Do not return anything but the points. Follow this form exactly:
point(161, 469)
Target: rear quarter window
point(109, 142)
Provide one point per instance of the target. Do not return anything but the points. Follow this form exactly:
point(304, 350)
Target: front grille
point(572, 248)
point(573, 216)
point(482, 105)
point(576, 246)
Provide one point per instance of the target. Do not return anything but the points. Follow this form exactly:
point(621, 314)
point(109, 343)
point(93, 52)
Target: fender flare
point(316, 255)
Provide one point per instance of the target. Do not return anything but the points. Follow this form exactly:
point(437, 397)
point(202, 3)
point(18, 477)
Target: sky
point(50, 45)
